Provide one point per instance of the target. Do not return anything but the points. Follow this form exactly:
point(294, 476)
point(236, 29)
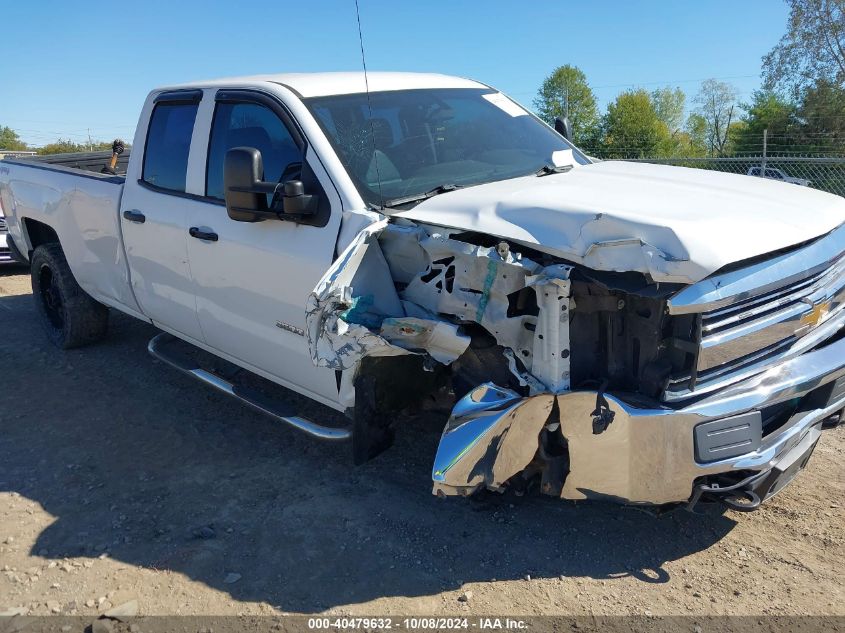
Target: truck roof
point(338, 83)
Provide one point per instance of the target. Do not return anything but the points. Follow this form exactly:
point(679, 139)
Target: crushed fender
point(355, 312)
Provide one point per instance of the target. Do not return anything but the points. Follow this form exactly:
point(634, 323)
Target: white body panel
point(82, 209)
point(157, 251)
point(337, 83)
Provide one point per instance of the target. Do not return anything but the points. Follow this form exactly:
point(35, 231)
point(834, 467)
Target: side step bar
point(249, 397)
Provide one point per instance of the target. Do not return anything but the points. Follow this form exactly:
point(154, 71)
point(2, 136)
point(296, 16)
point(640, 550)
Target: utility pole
point(765, 147)
point(566, 113)
point(90, 145)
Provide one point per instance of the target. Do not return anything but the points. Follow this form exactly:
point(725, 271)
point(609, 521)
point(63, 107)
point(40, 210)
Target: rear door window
point(168, 145)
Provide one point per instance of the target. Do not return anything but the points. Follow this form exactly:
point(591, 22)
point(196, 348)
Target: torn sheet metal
point(472, 284)
point(355, 312)
point(478, 284)
point(441, 340)
point(333, 342)
point(352, 223)
point(492, 435)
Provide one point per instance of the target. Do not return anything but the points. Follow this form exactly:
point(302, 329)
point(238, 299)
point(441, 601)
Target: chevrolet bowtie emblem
point(817, 314)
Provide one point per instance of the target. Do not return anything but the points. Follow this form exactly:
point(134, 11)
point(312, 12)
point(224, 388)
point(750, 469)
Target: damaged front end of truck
point(585, 383)
point(529, 344)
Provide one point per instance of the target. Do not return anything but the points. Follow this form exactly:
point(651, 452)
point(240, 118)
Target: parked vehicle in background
point(610, 330)
point(778, 174)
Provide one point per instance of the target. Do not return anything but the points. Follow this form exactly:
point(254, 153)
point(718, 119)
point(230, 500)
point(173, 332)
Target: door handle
point(135, 216)
point(202, 235)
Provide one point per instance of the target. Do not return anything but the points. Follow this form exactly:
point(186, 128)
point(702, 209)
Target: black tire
point(71, 317)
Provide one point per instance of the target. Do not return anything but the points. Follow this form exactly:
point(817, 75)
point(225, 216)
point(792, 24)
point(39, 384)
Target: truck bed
point(85, 161)
point(67, 193)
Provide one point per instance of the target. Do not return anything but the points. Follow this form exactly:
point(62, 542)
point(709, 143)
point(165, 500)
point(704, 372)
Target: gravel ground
point(122, 480)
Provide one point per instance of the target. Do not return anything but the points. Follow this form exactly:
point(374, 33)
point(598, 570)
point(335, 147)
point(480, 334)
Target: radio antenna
point(369, 104)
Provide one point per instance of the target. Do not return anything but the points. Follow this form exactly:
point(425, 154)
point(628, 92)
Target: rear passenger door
point(253, 279)
point(154, 215)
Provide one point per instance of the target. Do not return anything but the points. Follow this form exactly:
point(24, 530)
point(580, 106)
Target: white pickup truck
point(608, 330)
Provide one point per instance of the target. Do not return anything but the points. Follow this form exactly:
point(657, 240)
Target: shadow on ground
point(13, 269)
point(137, 461)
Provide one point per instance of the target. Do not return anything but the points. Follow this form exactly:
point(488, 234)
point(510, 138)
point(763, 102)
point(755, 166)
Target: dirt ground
point(122, 480)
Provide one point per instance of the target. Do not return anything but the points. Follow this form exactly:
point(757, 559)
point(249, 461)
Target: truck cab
point(235, 287)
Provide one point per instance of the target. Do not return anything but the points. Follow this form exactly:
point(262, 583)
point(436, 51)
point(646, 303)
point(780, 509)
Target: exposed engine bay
point(507, 329)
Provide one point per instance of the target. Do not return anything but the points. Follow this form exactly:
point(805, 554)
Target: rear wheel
point(70, 317)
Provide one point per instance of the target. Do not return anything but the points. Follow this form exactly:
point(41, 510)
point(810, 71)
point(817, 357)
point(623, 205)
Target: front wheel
point(70, 316)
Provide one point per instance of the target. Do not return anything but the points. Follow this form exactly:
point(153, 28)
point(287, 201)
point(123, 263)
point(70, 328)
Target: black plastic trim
point(181, 194)
point(268, 101)
point(728, 437)
point(179, 96)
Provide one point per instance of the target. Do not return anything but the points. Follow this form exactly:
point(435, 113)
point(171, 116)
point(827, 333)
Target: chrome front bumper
point(641, 455)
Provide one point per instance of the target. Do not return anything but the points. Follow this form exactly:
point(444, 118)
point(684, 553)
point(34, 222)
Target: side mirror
point(246, 192)
point(243, 171)
point(564, 128)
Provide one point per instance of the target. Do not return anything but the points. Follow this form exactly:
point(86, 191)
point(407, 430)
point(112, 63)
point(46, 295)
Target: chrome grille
point(749, 321)
point(3, 228)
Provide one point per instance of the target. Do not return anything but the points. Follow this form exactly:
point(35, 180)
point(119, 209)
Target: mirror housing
point(246, 192)
point(564, 128)
point(243, 171)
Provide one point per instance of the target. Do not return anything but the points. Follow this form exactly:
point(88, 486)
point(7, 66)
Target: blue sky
point(71, 66)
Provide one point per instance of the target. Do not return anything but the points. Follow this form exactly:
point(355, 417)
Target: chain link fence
point(827, 174)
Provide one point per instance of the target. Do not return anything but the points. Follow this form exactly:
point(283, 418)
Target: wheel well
point(39, 233)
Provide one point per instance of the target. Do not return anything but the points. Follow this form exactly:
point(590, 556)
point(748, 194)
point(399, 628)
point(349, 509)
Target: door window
point(168, 145)
point(249, 125)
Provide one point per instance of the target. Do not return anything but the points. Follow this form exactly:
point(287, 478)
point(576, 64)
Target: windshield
point(419, 140)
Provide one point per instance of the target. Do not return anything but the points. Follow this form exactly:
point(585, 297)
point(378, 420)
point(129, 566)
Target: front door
point(253, 279)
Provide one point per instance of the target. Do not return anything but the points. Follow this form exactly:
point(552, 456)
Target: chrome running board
point(249, 397)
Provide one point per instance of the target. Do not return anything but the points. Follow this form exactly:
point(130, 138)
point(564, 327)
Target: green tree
point(566, 93)
point(633, 129)
point(65, 146)
point(812, 49)
point(62, 146)
point(696, 132)
point(9, 139)
point(767, 111)
point(716, 103)
point(669, 105)
point(822, 116)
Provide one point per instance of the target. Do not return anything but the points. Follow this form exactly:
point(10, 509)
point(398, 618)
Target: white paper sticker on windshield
point(503, 103)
